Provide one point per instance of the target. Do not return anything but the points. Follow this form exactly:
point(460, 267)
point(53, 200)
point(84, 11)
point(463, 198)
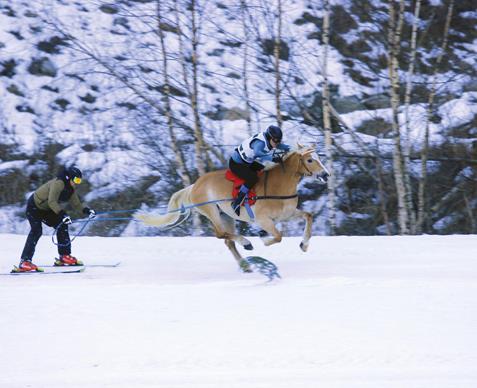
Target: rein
point(275, 196)
point(182, 209)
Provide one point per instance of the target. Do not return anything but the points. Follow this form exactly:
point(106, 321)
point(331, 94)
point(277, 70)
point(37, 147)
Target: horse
point(276, 200)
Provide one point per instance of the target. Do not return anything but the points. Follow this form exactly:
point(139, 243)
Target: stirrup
point(237, 202)
point(236, 207)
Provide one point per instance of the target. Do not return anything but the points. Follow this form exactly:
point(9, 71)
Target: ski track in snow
point(351, 312)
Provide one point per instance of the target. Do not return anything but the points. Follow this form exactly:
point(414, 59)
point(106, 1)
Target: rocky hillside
point(84, 83)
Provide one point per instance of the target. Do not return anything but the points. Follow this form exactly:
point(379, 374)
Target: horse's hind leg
point(224, 227)
point(232, 248)
point(245, 267)
point(229, 226)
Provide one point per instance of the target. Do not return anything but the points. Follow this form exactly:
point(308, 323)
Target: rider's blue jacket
point(256, 148)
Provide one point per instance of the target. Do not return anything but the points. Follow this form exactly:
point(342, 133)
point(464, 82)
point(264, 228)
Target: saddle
point(237, 183)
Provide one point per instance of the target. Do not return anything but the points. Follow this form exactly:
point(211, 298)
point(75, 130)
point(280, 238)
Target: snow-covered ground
point(352, 312)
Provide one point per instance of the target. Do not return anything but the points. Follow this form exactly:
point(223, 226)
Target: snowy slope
point(352, 312)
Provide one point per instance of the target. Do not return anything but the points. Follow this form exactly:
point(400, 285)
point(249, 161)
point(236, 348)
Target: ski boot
point(26, 266)
point(67, 260)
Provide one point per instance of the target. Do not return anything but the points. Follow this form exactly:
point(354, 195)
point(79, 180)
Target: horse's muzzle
point(323, 177)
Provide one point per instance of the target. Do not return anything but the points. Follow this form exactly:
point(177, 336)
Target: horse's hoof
point(262, 233)
point(248, 247)
point(303, 246)
point(245, 267)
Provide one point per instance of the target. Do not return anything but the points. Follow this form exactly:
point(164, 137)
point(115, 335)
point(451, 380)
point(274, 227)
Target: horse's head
point(311, 165)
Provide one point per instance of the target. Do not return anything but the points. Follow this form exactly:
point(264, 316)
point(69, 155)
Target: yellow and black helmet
point(74, 174)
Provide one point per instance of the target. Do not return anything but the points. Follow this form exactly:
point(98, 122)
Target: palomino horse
point(279, 181)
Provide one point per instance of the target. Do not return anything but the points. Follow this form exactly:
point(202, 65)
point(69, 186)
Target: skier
point(246, 159)
point(43, 206)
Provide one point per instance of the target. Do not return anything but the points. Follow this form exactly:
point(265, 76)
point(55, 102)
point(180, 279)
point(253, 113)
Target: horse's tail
point(173, 215)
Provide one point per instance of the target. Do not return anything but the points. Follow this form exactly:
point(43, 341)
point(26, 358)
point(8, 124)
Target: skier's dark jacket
point(49, 195)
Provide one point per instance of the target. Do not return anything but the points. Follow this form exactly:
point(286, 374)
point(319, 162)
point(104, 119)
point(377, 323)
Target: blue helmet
point(275, 133)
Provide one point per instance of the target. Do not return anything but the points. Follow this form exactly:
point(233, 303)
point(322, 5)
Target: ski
point(50, 271)
point(82, 265)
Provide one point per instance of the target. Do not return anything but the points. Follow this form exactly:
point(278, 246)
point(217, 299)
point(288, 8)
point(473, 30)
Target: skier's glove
point(89, 212)
point(66, 219)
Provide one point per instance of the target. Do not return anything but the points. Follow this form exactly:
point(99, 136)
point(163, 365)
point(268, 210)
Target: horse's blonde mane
point(295, 150)
point(271, 165)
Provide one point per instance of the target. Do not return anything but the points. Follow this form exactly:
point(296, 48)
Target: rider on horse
point(246, 158)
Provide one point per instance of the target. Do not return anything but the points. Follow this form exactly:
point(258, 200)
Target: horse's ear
point(299, 145)
point(306, 151)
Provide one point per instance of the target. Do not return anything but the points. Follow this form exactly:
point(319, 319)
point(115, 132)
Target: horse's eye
point(310, 160)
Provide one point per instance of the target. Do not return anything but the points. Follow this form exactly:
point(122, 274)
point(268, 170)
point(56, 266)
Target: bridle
point(308, 172)
point(306, 168)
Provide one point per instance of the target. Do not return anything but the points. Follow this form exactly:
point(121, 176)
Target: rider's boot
point(237, 202)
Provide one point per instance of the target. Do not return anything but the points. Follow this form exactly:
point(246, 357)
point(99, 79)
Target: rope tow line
point(181, 209)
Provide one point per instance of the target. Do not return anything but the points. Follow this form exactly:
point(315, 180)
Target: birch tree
point(331, 200)
point(178, 152)
point(191, 81)
point(245, 63)
point(429, 111)
point(394, 40)
point(407, 118)
point(276, 63)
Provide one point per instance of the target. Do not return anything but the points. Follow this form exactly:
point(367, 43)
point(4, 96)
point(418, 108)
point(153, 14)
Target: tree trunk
point(407, 103)
point(179, 157)
point(382, 196)
point(331, 200)
point(276, 55)
point(192, 92)
point(245, 76)
point(468, 208)
point(199, 140)
point(430, 108)
point(394, 40)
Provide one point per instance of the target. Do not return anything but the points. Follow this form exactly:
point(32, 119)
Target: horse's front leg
point(307, 231)
point(269, 233)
